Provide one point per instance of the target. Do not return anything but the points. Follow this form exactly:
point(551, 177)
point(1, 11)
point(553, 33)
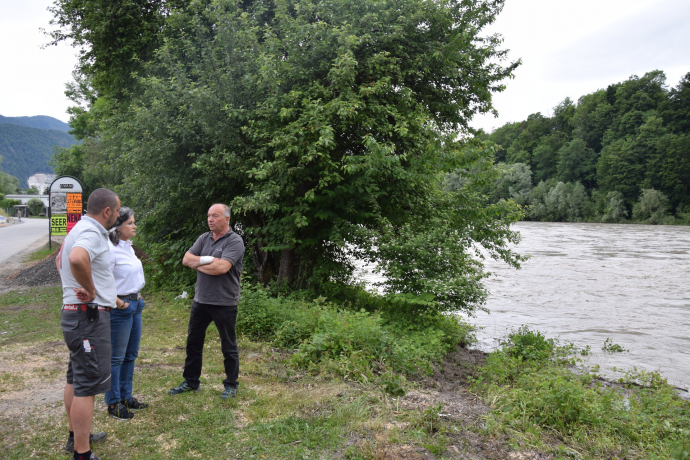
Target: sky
point(568, 48)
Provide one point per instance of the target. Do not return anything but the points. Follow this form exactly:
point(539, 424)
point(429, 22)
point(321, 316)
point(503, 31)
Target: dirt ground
point(448, 385)
point(17, 273)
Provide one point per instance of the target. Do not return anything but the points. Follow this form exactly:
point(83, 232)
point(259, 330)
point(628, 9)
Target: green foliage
point(652, 207)
point(635, 135)
point(610, 347)
point(615, 207)
point(328, 128)
point(8, 184)
point(35, 206)
point(8, 203)
point(544, 396)
point(529, 345)
point(355, 344)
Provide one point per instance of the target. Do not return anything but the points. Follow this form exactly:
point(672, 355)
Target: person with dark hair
point(88, 295)
point(100, 199)
point(217, 258)
point(125, 321)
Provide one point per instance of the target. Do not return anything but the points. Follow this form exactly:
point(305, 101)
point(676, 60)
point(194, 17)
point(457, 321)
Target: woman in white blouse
point(125, 320)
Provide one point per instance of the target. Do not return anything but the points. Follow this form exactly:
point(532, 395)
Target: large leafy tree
point(328, 127)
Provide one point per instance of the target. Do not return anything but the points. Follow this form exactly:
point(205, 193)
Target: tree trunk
point(286, 274)
point(264, 265)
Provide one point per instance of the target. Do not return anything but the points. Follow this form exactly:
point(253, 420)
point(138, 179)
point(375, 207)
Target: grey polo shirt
point(91, 236)
point(219, 289)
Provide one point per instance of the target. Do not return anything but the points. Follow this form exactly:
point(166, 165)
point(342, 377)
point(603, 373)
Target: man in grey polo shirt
point(88, 293)
point(217, 258)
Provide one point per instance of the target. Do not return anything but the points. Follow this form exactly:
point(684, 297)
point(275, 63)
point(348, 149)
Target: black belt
point(134, 296)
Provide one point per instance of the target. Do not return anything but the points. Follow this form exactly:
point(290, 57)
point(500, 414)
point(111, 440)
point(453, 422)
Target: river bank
point(462, 408)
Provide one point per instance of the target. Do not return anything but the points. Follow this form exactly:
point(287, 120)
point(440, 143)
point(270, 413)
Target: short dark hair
point(100, 199)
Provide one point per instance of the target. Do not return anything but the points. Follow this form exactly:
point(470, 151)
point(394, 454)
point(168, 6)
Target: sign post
point(65, 206)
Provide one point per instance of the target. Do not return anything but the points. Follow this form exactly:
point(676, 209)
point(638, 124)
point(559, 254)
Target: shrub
point(35, 206)
point(353, 343)
point(532, 395)
point(615, 208)
point(652, 207)
point(529, 345)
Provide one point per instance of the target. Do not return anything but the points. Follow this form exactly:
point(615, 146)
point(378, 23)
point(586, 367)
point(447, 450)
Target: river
point(585, 283)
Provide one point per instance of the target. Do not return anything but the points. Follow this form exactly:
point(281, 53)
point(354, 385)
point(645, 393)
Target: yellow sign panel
point(58, 224)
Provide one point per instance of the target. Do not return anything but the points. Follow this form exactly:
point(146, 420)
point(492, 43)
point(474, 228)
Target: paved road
point(15, 237)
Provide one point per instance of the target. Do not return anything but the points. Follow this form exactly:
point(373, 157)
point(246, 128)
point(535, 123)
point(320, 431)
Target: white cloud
point(32, 79)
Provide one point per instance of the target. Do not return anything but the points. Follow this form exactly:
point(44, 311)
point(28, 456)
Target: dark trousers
point(199, 319)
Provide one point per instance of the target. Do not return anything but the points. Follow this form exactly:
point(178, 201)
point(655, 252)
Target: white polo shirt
point(91, 236)
point(127, 269)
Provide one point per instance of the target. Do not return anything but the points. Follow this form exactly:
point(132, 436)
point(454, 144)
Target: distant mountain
point(39, 121)
point(26, 151)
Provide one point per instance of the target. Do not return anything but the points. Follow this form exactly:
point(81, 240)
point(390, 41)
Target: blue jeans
point(125, 333)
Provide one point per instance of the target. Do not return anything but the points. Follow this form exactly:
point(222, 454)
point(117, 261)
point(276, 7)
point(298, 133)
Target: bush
point(35, 206)
point(615, 208)
point(357, 344)
point(652, 207)
point(529, 345)
point(533, 394)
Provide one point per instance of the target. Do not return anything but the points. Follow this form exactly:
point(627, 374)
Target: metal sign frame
point(65, 198)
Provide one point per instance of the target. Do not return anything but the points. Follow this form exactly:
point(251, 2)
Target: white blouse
point(127, 269)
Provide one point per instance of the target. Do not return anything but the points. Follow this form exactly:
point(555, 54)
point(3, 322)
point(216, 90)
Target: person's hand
point(124, 306)
point(83, 295)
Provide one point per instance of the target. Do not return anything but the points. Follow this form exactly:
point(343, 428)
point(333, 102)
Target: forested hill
point(39, 121)
point(26, 151)
point(619, 153)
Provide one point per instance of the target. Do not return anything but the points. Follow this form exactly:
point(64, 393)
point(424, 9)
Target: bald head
point(219, 218)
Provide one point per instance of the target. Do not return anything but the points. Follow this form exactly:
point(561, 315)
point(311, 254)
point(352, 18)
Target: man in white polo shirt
point(88, 295)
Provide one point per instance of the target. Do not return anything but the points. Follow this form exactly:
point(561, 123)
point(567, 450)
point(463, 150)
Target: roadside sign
point(66, 205)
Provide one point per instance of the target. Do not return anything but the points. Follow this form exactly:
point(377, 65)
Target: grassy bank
point(320, 380)
point(340, 396)
point(541, 402)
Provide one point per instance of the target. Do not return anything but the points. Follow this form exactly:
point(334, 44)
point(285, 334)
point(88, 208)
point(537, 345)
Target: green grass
point(318, 381)
point(282, 410)
point(539, 401)
point(43, 253)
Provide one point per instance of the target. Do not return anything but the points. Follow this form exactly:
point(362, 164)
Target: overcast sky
point(568, 48)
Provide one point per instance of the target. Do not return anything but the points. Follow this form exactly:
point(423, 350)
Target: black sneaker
point(95, 437)
point(119, 411)
point(181, 388)
point(133, 404)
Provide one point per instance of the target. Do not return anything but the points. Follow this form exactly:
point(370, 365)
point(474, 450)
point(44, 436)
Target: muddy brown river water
point(589, 282)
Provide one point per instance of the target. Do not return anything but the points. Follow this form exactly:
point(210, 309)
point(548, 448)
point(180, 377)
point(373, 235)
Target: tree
point(652, 207)
point(577, 163)
point(615, 208)
point(546, 162)
point(676, 109)
point(8, 184)
point(592, 118)
point(33, 190)
point(328, 127)
point(35, 206)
